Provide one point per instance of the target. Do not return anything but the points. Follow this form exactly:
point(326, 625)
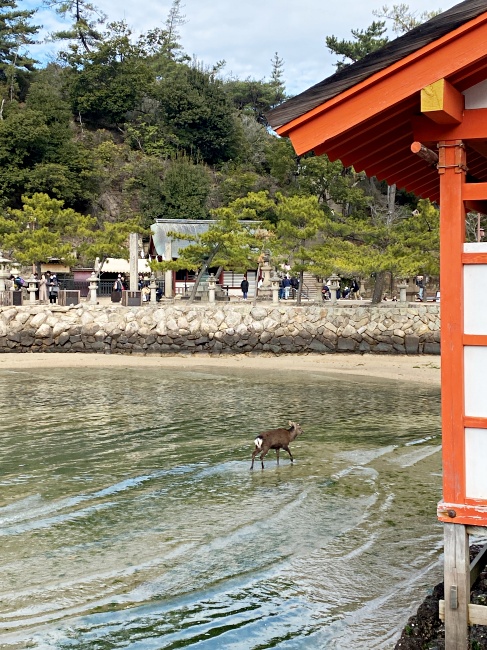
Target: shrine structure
point(414, 114)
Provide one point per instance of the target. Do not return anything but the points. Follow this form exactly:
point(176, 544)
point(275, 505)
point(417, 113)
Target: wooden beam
point(477, 614)
point(478, 565)
point(386, 151)
point(474, 192)
point(384, 125)
point(476, 206)
point(473, 127)
point(442, 103)
point(429, 156)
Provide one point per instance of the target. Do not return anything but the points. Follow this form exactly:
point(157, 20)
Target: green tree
point(110, 80)
point(403, 19)
point(111, 240)
point(196, 113)
point(43, 228)
point(257, 96)
point(185, 190)
point(16, 33)
point(301, 227)
point(364, 42)
point(377, 239)
point(85, 19)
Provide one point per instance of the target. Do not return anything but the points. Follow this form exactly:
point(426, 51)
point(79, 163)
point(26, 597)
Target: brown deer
point(275, 439)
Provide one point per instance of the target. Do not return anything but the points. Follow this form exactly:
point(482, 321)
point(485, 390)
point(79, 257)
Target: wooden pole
point(457, 586)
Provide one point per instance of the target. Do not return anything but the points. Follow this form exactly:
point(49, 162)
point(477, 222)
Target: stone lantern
point(4, 272)
point(275, 290)
point(93, 288)
point(211, 288)
point(333, 283)
point(32, 283)
point(402, 285)
point(153, 289)
point(265, 289)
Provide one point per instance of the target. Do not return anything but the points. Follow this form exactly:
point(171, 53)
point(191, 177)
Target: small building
point(163, 247)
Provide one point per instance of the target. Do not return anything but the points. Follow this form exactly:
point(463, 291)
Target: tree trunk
point(378, 287)
point(254, 302)
point(300, 287)
point(203, 269)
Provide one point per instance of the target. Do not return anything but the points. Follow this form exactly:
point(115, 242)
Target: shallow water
point(129, 517)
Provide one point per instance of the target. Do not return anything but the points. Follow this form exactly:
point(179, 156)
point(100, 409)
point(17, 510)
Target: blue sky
point(248, 33)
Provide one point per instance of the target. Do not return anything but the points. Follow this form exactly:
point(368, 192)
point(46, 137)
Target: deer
point(275, 439)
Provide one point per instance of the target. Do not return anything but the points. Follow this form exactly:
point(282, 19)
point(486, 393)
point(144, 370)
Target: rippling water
point(129, 517)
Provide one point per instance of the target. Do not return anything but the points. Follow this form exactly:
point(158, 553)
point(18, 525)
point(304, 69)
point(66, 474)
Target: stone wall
point(230, 328)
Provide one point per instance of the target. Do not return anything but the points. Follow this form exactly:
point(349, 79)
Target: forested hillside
point(124, 128)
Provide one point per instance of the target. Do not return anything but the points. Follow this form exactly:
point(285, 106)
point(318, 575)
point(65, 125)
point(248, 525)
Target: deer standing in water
point(275, 439)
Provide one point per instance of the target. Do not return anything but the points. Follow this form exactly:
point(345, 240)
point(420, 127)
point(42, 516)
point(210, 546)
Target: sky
point(247, 33)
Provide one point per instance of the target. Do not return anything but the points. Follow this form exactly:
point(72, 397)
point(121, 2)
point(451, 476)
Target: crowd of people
point(351, 292)
point(47, 286)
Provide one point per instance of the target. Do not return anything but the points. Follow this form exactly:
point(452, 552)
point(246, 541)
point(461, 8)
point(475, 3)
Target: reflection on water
point(130, 519)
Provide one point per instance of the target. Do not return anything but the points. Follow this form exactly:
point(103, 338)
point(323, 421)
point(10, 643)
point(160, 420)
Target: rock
point(231, 328)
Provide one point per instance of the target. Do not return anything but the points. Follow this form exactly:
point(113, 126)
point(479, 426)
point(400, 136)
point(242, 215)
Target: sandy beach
point(421, 369)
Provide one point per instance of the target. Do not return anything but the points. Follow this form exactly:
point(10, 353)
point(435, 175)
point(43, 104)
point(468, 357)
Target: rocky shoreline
point(425, 631)
point(215, 330)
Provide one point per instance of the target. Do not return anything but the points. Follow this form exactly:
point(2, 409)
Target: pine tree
point(16, 32)
point(85, 17)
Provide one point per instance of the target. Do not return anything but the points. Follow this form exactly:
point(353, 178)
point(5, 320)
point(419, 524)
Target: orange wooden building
point(414, 114)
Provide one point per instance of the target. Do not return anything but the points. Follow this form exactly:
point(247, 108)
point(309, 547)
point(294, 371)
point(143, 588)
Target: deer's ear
point(291, 423)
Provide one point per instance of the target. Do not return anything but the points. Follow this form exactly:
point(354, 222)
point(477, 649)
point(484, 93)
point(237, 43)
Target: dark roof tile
point(394, 51)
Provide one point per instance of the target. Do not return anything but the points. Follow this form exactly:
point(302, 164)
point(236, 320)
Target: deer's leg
point(277, 455)
point(254, 453)
point(290, 455)
point(262, 456)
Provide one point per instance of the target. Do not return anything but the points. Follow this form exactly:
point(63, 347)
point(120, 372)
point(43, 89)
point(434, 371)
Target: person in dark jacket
point(244, 285)
point(286, 283)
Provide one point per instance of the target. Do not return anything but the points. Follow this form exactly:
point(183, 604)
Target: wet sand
point(422, 369)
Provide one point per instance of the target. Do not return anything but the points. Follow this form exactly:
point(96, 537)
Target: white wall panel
point(475, 455)
point(475, 374)
point(475, 302)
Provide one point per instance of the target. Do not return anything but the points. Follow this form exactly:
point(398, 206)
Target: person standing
point(244, 285)
point(286, 284)
point(117, 289)
point(53, 285)
point(356, 289)
point(420, 285)
point(294, 285)
point(43, 289)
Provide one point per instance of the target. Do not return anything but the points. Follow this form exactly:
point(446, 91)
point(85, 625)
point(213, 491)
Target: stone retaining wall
point(230, 328)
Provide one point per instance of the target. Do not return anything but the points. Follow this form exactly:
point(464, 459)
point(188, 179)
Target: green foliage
point(111, 240)
point(403, 19)
point(44, 229)
point(364, 42)
point(332, 183)
point(16, 33)
point(85, 19)
point(195, 110)
point(282, 161)
point(185, 190)
point(111, 79)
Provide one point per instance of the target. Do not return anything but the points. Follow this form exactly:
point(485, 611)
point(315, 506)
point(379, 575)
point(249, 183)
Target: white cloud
point(248, 33)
